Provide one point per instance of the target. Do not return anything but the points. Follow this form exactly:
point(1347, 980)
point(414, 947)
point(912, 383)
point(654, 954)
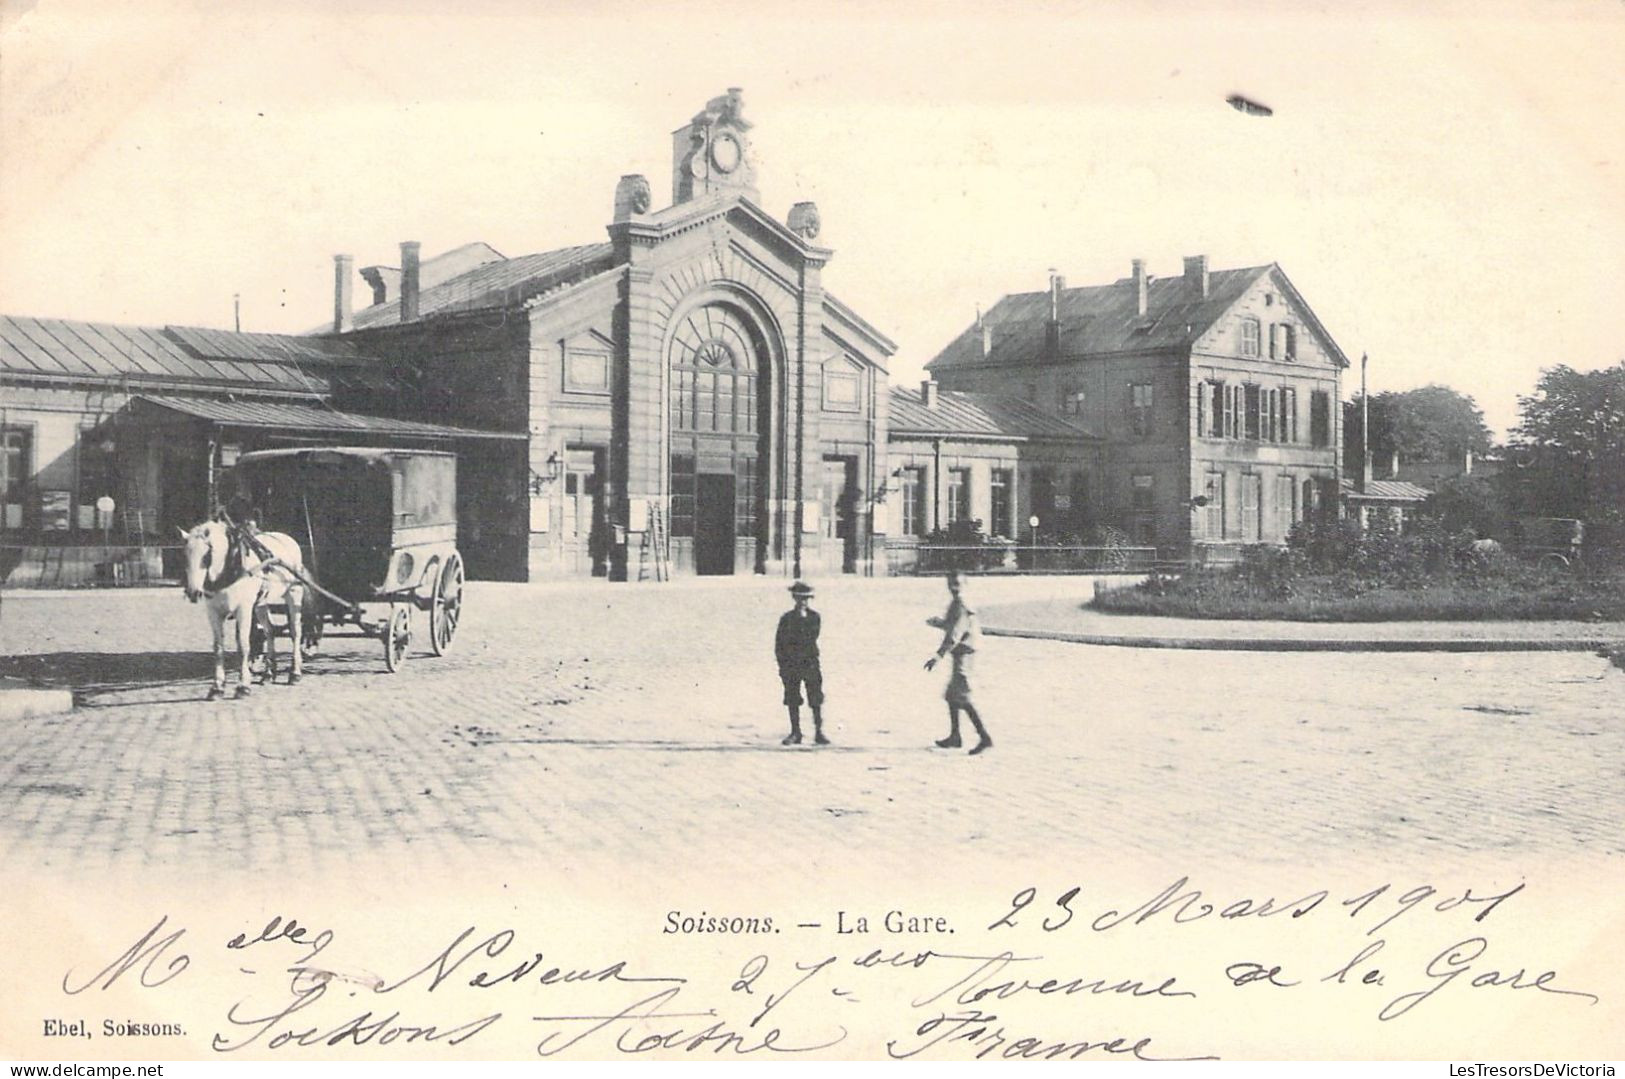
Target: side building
point(1215, 394)
point(116, 436)
point(983, 466)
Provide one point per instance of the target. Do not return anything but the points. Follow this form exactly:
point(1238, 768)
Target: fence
point(903, 559)
point(84, 566)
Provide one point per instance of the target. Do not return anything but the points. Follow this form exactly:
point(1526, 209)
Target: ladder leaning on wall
point(653, 555)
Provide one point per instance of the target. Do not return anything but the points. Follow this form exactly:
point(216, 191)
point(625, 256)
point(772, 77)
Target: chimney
point(928, 393)
point(1052, 335)
point(343, 319)
point(1393, 466)
point(409, 280)
point(1141, 287)
point(1467, 463)
point(1196, 273)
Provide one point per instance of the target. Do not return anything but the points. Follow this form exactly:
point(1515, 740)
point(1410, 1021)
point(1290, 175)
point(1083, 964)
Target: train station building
point(694, 400)
point(686, 397)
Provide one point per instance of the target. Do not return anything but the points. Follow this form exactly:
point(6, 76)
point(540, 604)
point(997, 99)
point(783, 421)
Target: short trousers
point(958, 691)
point(814, 681)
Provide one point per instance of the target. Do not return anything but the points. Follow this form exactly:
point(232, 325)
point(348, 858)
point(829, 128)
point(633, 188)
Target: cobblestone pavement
point(587, 721)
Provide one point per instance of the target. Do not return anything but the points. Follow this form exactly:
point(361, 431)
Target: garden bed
point(1335, 577)
point(1332, 598)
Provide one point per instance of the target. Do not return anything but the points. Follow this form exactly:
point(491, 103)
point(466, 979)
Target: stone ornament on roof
point(712, 153)
point(804, 220)
point(632, 197)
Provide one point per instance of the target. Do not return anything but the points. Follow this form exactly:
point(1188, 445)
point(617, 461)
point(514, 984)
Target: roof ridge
point(1151, 278)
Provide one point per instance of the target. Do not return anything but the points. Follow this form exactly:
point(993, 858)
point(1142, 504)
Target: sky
point(1446, 189)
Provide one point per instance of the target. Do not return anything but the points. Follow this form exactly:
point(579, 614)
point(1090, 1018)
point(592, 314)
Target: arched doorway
point(720, 420)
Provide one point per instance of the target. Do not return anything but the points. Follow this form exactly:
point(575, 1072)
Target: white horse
point(224, 568)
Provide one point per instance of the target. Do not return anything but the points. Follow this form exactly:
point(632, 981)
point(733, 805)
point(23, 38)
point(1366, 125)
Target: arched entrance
point(721, 419)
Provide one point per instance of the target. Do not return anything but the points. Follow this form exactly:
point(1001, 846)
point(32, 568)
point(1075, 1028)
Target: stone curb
point(18, 700)
point(1317, 644)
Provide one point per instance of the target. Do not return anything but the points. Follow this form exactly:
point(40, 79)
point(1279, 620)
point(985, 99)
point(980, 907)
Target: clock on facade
point(726, 153)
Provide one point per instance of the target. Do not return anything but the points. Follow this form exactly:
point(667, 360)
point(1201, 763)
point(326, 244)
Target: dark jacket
point(795, 645)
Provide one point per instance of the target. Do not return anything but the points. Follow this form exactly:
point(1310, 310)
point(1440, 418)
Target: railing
point(903, 559)
point(87, 565)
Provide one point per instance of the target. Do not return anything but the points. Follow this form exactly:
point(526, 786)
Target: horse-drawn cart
point(1549, 541)
point(379, 527)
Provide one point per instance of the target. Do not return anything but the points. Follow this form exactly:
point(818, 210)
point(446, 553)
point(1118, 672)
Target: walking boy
point(795, 646)
point(959, 639)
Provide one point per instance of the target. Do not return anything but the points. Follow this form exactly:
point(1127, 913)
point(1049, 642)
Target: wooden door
point(713, 524)
point(838, 507)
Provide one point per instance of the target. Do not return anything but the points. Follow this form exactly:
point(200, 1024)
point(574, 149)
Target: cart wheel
point(397, 635)
point(448, 605)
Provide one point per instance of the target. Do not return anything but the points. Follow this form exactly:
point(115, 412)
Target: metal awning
point(277, 415)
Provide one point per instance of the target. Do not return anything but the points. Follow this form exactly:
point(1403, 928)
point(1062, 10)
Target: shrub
point(965, 534)
point(1330, 571)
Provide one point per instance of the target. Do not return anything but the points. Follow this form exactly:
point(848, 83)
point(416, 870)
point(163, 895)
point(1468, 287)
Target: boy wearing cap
point(795, 646)
point(960, 635)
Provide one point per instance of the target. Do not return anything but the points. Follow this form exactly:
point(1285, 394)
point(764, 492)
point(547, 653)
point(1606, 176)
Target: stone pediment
point(684, 217)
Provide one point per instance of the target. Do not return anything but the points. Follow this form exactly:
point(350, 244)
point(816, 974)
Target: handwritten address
point(1029, 978)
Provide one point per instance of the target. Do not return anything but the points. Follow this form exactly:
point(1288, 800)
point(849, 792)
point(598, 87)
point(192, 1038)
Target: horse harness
point(233, 570)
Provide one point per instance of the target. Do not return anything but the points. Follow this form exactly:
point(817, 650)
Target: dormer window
point(1250, 332)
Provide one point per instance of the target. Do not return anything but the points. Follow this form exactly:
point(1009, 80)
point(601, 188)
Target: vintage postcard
point(685, 457)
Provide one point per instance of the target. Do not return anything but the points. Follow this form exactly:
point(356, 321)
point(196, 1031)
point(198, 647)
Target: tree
point(1432, 423)
point(1463, 502)
point(1568, 453)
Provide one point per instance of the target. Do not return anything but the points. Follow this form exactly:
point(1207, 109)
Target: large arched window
point(714, 373)
point(719, 388)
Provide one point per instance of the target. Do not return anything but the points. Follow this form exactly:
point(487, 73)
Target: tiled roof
point(300, 417)
point(498, 283)
point(1100, 318)
point(977, 415)
point(104, 352)
point(1387, 490)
